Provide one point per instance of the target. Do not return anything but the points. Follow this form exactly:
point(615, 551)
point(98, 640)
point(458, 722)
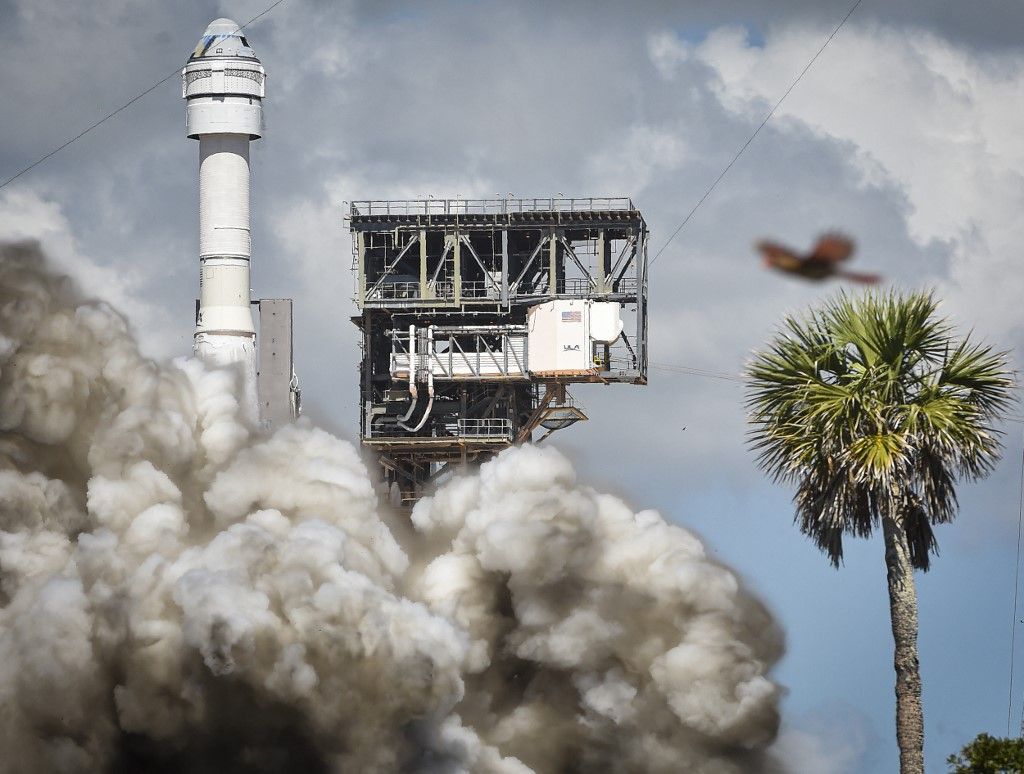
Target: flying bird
point(823, 262)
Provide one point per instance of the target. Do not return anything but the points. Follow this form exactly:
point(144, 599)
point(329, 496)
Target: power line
point(129, 103)
point(750, 139)
point(679, 369)
point(703, 372)
point(1016, 587)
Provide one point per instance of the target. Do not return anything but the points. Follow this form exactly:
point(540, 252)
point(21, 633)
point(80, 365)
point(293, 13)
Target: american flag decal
point(572, 317)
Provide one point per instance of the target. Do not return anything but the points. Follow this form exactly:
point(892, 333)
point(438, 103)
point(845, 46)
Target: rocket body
point(223, 87)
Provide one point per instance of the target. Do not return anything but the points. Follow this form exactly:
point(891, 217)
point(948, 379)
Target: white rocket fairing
point(223, 87)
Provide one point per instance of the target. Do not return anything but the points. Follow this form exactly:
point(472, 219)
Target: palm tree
point(874, 409)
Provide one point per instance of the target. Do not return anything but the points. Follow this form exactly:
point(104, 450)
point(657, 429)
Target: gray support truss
point(445, 375)
point(553, 265)
point(504, 268)
point(422, 239)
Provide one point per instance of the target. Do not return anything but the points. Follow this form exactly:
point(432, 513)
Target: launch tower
point(477, 315)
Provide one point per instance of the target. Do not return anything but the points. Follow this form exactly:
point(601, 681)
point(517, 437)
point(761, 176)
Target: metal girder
point(531, 424)
point(388, 268)
point(504, 267)
point(625, 258)
point(440, 264)
point(487, 275)
point(552, 264)
point(498, 395)
point(485, 399)
point(641, 302)
point(632, 352)
point(575, 259)
point(526, 266)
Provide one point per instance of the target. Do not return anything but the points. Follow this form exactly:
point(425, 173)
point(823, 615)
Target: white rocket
point(223, 87)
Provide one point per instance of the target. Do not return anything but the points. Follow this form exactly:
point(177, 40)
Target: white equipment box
point(561, 335)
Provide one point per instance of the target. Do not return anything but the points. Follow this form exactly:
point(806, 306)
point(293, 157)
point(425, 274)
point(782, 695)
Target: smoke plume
point(178, 592)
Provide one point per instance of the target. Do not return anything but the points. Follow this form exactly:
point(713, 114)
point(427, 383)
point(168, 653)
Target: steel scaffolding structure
point(475, 315)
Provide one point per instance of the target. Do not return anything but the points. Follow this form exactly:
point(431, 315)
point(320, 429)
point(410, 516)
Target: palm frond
point(869, 403)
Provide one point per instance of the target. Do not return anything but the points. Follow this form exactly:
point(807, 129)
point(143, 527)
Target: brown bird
point(823, 262)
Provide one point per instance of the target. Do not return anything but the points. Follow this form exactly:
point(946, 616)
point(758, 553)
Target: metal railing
point(482, 289)
point(627, 285)
point(579, 287)
point(443, 291)
point(479, 289)
point(484, 428)
point(576, 286)
point(395, 290)
point(455, 355)
point(489, 206)
point(620, 357)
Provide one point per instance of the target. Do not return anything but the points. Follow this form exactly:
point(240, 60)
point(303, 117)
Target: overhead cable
point(1016, 588)
point(750, 139)
point(129, 103)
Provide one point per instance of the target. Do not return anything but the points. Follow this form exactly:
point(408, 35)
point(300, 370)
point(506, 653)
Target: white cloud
point(310, 233)
point(834, 748)
point(628, 166)
point(941, 122)
point(833, 737)
point(667, 52)
point(321, 38)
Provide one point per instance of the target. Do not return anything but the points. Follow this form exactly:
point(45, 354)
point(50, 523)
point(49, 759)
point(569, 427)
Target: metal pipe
point(430, 390)
point(430, 385)
point(412, 378)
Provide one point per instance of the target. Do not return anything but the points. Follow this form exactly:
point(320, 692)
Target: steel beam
point(456, 268)
point(361, 268)
point(553, 265)
point(527, 265)
point(575, 259)
point(504, 268)
point(388, 268)
point(423, 263)
point(487, 275)
point(625, 258)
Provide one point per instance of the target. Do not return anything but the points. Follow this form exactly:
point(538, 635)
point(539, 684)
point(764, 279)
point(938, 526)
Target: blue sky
point(905, 134)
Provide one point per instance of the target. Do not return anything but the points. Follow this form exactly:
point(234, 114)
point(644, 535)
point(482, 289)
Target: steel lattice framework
point(447, 291)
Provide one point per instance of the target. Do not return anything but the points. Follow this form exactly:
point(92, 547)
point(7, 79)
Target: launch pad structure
point(477, 315)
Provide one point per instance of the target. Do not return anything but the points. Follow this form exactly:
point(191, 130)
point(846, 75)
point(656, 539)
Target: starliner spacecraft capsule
point(223, 87)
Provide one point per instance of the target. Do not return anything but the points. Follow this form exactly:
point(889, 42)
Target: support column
point(504, 268)
point(361, 253)
point(604, 284)
point(553, 265)
point(604, 263)
point(641, 303)
point(456, 268)
point(423, 264)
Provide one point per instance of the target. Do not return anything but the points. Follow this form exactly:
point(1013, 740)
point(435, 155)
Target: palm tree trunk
point(903, 613)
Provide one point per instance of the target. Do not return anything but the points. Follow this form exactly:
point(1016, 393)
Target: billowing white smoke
point(179, 594)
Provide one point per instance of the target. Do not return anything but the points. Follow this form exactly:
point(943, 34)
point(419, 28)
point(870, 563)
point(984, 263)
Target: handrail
point(490, 427)
point(490, 206)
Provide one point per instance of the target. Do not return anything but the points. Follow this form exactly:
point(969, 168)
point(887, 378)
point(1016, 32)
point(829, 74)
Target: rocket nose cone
point(223, 38)
point(222, 26)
